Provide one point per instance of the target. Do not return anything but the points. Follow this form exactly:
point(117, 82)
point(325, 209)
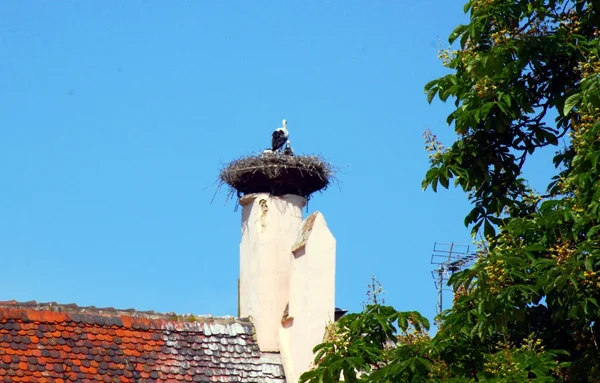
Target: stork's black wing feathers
point(278, 140)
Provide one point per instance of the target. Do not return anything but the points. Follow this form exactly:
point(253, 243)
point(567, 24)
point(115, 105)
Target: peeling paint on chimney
point(304, 232)
point(263, 214)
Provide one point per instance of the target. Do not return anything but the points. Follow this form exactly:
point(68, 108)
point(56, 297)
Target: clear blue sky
point(115, 118)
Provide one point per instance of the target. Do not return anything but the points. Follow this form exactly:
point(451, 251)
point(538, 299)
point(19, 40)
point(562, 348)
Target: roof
point(49, 342)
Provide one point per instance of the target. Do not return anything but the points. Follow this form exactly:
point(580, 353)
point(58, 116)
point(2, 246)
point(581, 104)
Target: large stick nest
point(277, 174)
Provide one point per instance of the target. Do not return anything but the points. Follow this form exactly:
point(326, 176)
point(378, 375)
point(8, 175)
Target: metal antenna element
point(449, 258)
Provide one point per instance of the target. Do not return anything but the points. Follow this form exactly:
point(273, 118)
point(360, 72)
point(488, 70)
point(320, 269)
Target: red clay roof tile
point(67, 343)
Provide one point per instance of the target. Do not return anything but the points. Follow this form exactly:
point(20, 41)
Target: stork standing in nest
point(280, 136)
point(288, 151)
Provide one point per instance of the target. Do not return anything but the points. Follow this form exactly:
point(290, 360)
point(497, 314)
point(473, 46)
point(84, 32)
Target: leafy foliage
point(528, 309)
point(379, 343)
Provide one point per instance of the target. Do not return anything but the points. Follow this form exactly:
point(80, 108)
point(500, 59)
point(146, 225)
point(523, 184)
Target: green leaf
point(308, 376)
point(326, 376)
point(476, 227)
point(426, 323)
point(444, 94)
point(588, 263)
point(593, 231)
point(430, 84)
point(434, 185)
point(432, 174)
point(488, 229)
point(431, 94)
point(467, 6)
point(349, 375)
point(570, 103)
point(459, 30)
point(573, 281)
point(444, 180)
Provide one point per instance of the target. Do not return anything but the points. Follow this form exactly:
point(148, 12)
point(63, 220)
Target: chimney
point(270, 226)
point(287, 264)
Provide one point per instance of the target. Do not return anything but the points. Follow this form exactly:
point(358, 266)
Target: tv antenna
point(449, 258)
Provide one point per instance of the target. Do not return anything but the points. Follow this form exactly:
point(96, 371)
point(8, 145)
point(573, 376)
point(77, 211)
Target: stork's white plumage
point(280, 136)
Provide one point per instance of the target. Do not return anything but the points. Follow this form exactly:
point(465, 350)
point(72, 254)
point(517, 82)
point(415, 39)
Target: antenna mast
point(449, 258)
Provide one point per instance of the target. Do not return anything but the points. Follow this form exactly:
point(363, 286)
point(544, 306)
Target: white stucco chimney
point(287, 277)
point(270, 226)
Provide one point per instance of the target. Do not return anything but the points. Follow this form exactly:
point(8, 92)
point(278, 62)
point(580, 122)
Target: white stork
point(280, 136)
point(288, 151)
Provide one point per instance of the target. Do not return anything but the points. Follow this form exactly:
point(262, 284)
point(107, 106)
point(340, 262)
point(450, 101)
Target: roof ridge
point(72, 308)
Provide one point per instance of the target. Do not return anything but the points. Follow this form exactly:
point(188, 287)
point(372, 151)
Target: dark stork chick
point(288, 151)
point(280, 136)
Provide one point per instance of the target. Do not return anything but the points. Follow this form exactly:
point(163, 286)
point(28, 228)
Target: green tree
point(525, 74)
